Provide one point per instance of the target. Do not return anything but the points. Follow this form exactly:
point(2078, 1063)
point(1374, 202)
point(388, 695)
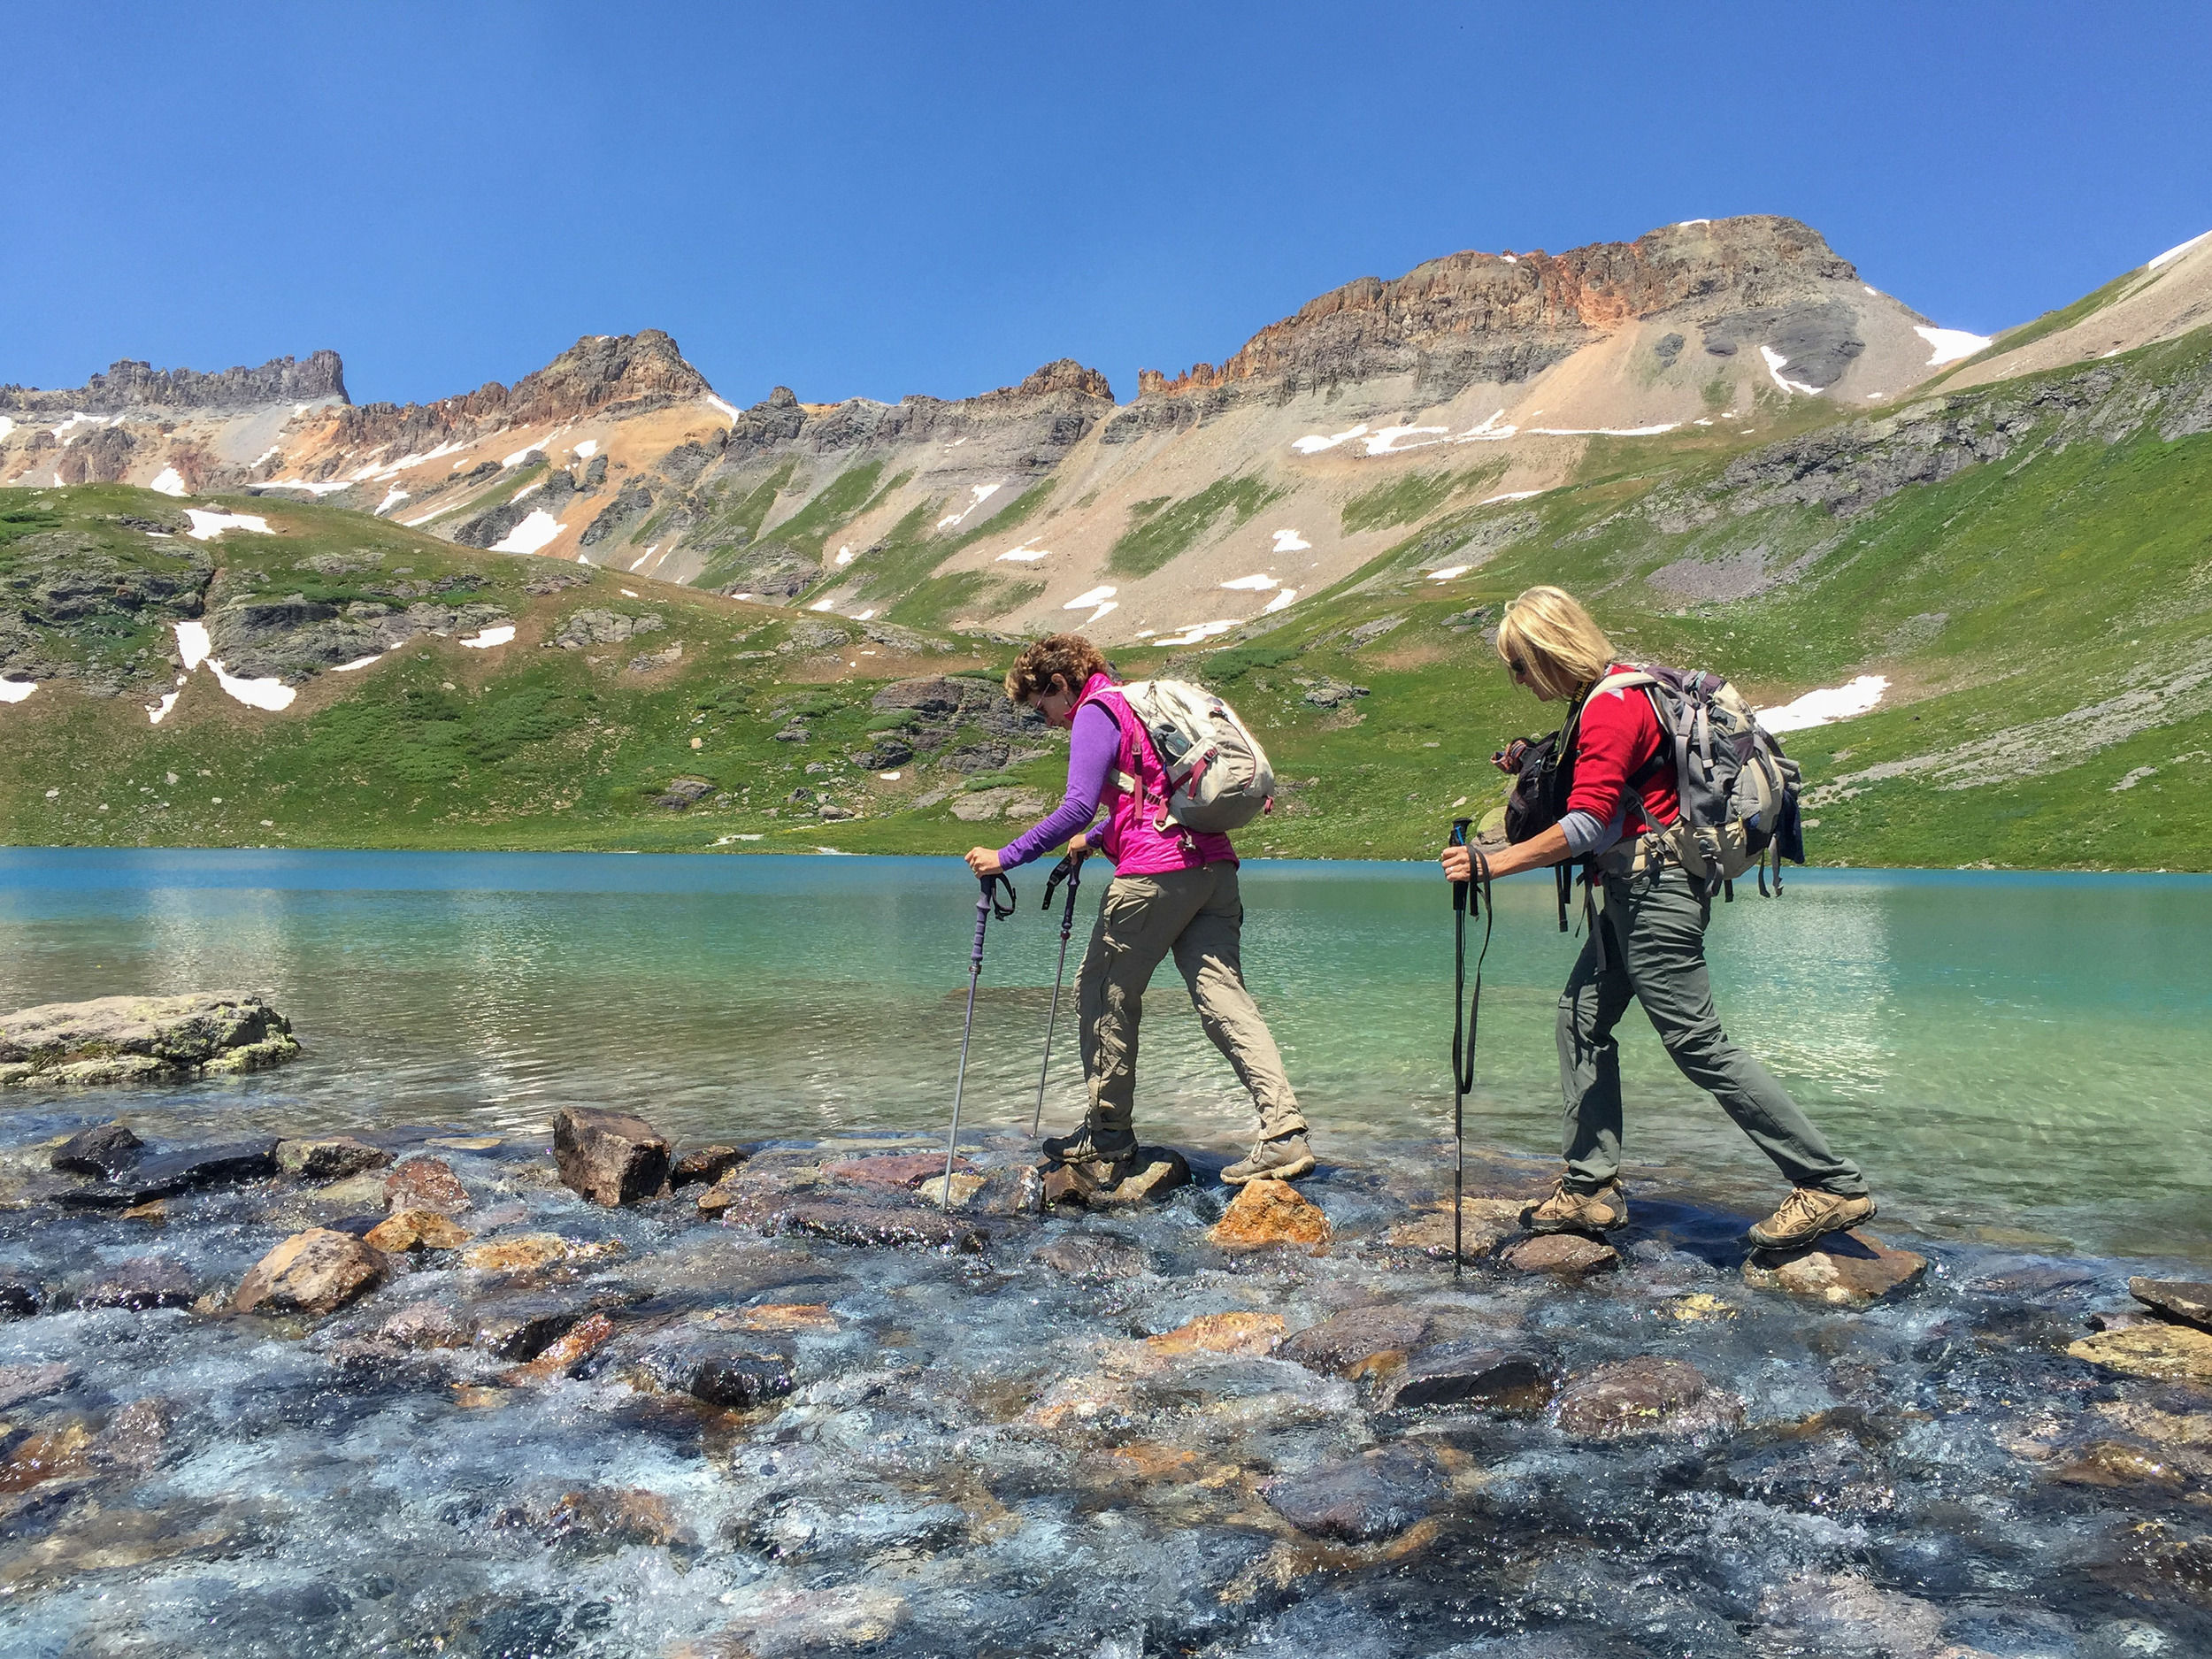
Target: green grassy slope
point(2045, 616)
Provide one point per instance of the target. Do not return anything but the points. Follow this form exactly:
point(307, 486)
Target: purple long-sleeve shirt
point(1093, 744)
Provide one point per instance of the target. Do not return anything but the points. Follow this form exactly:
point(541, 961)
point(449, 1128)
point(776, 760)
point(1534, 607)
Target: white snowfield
point(207, 525)
point(1825, 706)
point(1024, 554)
point(16, 690)
point(1291, 541)
point(2174, 253)
point(169, 482)
point(157, 712)
point(318, 487)
point(1252, 584)
point(1095, 596)
point(532, 533)
point(1775, 363)
point(1281, 599)
point(1950, 344)
point(982, 493)
point(588, 447)
point(357, 662)
point(192, 647)
point(1199, 632)
point(490, 637)
point(192, 644)
point(391, 500)
point(1448, 571)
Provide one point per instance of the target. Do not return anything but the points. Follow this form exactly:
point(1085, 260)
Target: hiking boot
point(1087, 1144)
point(1805, 1215)
point(1284, 1158)
point(1567, 1210)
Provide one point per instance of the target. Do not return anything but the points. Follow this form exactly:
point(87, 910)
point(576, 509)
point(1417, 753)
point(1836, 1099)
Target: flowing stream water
point(979, 1451)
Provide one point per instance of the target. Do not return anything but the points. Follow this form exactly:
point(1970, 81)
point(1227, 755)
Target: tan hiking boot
point(1284, 1158)
point(1087, 1144)
point(1567, 1210)
point(1805, 1215)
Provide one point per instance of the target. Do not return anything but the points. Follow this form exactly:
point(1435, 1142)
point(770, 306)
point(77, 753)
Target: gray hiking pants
point(1198, 916)
point(1655, 951)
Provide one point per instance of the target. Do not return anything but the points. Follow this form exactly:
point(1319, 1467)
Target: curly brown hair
point(1068, 656)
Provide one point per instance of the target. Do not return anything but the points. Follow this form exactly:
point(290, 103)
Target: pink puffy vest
point(1131, 840)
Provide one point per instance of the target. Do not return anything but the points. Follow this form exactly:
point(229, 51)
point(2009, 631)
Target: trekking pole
point(1069, 870)
point(1466, 1017)
point(986, 906)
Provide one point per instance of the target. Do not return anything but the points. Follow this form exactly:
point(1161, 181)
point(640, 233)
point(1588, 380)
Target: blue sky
point(895, 199)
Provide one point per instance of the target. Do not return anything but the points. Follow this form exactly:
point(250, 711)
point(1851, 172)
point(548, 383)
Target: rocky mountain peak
point(1064, 374)
point(132, 385)
point(604, 370)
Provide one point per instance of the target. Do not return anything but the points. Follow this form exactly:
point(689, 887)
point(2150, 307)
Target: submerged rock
point(1644, 1397)
point(914, 1228)
point(628, 1515)
point(530, 1250)
point(1271, 1212)
point(1568, 1254)
point(1371, 1497)
point(141, 1040)
point(315, 1273)
point(779, 1619)
point(169, 1173)
point(1345, 1341)
point(332, 1159)
point(610, 1157)
point(2169, 1353)
point(1468, 1374)
point(1485, 1223)
point(148, 1281)
point(709, 1164)
point(523, 1329)
point(1251, 1335)
point(20, 1297)
point(902, 1171)
point(102, 1150)
point(20, 1383)
point(2185, 1300)
point(1097, 1258)
point(1847, 1269)
point(417, 1229)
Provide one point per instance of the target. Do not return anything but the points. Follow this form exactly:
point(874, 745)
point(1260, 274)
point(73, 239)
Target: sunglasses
point(1515, 667)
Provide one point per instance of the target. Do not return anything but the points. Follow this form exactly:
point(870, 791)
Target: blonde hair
point(1560, 648)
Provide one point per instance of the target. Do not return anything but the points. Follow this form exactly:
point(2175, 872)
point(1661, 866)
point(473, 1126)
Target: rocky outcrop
point(129, 385)
point(141, 1040)
point(1048, 412)
point(66, 600)
point(293, 638)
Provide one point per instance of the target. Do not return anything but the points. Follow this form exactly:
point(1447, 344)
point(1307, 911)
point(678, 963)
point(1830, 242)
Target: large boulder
point(169, 1173)
point(141, 1040)
point(610, 1157)
point(1568, 1255)
point(2164, 1353)
point(314, 1272)
point(1346, 1342)
point(881, 1225)
point(425, 1184)
point(1468, 1374)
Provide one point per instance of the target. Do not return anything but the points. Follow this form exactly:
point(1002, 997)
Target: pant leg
point(1209, 952)
point(1136, 925)
point(1590, 1064)
point(1661, 930)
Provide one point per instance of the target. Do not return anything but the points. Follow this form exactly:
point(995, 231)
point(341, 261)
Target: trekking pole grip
point(1459, 839)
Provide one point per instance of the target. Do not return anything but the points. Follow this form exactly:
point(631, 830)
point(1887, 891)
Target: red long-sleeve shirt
point(1620, 732)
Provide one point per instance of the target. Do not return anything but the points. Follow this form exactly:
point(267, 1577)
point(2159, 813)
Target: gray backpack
point(1739, 791)
point(1218, 778)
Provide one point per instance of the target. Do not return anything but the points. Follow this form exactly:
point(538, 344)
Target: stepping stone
point(1154, 1173)
point(21, 1383)
point(102, 1150)
point(522, 1330)
point(2166, 1353)
point(2189, 1301)
point(1568, 1254)
point(332, 1159)
point(1371, 1497)
point(916, 1228)
point(1467, 1373)
point(415, 1230)
point(1485, 1223)
point(1645, 1396)
point(1270, 1212)
point(1348, 1339)
point(169, 1173)
point(905, 1171)
point(1240, 1335)
point(1096, 1258)
point(315, 1273)
point(704, 1165)
point(425, 1184)
point(150, 1281)
point(610, 1157)
point(1849, 1270)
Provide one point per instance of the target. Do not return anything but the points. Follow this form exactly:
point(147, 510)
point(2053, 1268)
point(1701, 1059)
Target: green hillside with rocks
point(2028, 562)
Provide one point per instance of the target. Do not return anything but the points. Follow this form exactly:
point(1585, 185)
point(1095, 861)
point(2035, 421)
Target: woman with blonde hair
point(1653, 944)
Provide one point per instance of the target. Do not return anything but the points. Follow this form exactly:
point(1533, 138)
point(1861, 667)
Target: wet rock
point(425, 1326)
point(2113, 1464)
point(610, 1157)
point(21, 1298)
point(135, 1437)
point(1850, 1269)
point(102, 1150)
point(718, 1367)
point(1568, 1254)
point(332, 1159)
point(1149, 1177)
point(521, 1331)
point(905, 1171)
point(914, 1228)
point(696, 1164)
point(776, 1620)
point(1271, 1212)
point(425, 1184)
point(141, 1038)
point(1345, 1341)
point(1371, 1497)
point(169, 1173)
point(148, 1281)
point(2168, 1353)
point(619, 1515)
point(315, 1273)
point(561, 1355)
point(528, 1251)
point(1644, 1397)
point(416, 1230)
point(953, 1193)
point(1096, 1258)
point(1467, 1373)
point(1243, 1335)
point(20, 1383)
point(1485, 1223)
point(2185, 1300)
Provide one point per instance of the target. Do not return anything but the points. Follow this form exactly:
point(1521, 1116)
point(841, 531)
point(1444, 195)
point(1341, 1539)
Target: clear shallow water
point(2022, 1059)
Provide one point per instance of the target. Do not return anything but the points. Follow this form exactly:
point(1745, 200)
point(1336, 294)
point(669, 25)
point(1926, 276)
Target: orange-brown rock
point(1245, 1335)
point(529, 1250)
point(425, 1184)
point(1271, 1212)
point(417, 1229)
point(608, 1156)
point(1848, 1269)
point(314, 1272)
point(583, 1338)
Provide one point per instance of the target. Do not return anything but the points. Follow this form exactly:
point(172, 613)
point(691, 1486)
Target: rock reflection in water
point(813, 1415)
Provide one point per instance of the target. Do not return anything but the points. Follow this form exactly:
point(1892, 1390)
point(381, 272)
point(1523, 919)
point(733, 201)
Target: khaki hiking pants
point(1654, 924)
point(1197, 914)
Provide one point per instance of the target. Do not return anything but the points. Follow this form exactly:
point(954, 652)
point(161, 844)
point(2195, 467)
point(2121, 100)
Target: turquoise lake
point(2016, 1059)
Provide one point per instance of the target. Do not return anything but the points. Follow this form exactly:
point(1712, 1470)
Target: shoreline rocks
point(120, 1039)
